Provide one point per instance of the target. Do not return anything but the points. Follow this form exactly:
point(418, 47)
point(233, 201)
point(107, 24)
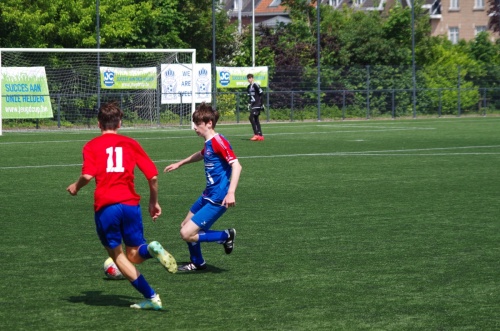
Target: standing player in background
point(111, 159)
point(222, 171)
point(255, 105)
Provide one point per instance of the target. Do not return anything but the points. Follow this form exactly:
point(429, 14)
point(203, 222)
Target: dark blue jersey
point(217, 156)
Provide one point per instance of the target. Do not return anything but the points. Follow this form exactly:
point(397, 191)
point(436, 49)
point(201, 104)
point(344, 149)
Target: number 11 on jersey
point(115, 159)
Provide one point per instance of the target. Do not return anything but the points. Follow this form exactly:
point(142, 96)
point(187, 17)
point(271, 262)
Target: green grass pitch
point(355, 225)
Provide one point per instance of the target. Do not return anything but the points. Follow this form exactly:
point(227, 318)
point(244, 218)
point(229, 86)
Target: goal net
point(54, 88)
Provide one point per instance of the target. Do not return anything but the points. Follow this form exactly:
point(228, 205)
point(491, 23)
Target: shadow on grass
point(97, 298)
point(210, 269)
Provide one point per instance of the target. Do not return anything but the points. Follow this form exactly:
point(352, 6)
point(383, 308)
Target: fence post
point(367, 92)
point(59, 110)
point(237, 107)
point(343, 105)
point(181, 114)
point(291, 110)
point(484, 102)
point(267, 105)
point(393, 106)
point(440, 104)
point(459, 110)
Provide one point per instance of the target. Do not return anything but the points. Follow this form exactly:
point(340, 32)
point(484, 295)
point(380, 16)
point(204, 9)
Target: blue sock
point(142, 285)
point(211, 236)
point(143, 252)
point(195, 253)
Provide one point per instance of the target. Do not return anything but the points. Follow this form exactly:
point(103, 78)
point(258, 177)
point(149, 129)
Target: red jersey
point(111, 160)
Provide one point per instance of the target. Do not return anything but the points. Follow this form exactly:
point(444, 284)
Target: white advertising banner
point(176, 80)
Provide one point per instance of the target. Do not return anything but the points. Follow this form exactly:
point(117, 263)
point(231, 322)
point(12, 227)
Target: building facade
point(459, 19)
point(455, 19)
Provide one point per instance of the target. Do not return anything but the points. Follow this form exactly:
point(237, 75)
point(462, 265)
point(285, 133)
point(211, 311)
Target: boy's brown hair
point(110, 115)
point(205, 113)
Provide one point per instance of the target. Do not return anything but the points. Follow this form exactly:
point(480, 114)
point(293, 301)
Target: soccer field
point(362, 225)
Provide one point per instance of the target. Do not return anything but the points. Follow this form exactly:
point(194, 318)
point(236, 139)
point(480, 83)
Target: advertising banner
point(236, 77)
point(176, 83)
point(128, 78)
point(25, 93)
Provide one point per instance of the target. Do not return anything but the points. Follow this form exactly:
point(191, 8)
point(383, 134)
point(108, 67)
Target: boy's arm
point(154, 206)
point(193, 158)
point(230, 199)
point(81, 182)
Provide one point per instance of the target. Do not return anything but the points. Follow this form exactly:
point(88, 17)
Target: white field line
point(194, 136)
point(85, 140)
point(394, 152)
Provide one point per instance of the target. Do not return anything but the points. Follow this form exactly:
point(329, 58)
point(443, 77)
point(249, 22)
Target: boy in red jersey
point(111, 159)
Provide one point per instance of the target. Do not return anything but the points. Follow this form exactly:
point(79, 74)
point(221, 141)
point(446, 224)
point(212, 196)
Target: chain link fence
point(368, 92)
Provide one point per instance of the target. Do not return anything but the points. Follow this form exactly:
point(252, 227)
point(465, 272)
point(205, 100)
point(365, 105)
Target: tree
point(494, 15)
point(45, 23)
point(123, 24)
point(450, 70)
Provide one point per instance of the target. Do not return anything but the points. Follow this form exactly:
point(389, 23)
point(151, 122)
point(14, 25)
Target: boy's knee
point(185, 236)
point(133, 256)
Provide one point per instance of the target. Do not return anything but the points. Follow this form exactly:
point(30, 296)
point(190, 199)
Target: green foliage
point(448, 73)
point(226, 105)
point(47, 23)
point(123, 24)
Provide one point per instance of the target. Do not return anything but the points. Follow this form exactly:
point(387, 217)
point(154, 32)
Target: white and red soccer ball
point(111, 270)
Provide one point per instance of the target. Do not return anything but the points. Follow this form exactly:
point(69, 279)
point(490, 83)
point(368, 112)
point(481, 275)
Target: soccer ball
point(111, 270)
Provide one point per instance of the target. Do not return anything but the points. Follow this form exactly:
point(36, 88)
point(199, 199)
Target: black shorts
point(255, 111)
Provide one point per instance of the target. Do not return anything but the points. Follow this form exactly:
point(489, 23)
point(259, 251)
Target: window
point(478, 4)
point(454, 4)
point(453, 35)
point(275, 3)
point(334, 3)
point(480, 28)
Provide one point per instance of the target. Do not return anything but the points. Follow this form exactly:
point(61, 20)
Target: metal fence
point(368, 92)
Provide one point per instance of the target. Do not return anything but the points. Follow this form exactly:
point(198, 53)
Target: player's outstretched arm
point(193, 158)
point(81, 182)
point(230, 199)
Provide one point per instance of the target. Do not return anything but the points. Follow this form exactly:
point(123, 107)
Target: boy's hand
point(229, 200)
point(72, 189)
point(171, 167)
point(154, 211)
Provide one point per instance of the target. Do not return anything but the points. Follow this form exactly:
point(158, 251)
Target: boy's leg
point(257, 124)
point(189, 233)
point(213, 236)
point(133, 237)
point(225, 237)
point(207, 216)
point(136, 280)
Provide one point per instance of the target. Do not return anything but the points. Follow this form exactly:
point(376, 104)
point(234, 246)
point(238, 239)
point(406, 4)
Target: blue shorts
point(118, 222)
point(206, 213)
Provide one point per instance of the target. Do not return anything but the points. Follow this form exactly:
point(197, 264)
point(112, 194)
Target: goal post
point(63, 88)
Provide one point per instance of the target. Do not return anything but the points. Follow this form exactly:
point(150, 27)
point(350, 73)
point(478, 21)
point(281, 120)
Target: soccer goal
point(56, 88)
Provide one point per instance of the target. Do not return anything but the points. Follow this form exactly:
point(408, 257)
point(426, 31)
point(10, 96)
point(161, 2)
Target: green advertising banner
point(128, 78)
point(236, 77)
point(25, 93)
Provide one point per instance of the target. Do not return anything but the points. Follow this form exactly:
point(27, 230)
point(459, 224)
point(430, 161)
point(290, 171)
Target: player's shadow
point(210, 269)
point(97, 298)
